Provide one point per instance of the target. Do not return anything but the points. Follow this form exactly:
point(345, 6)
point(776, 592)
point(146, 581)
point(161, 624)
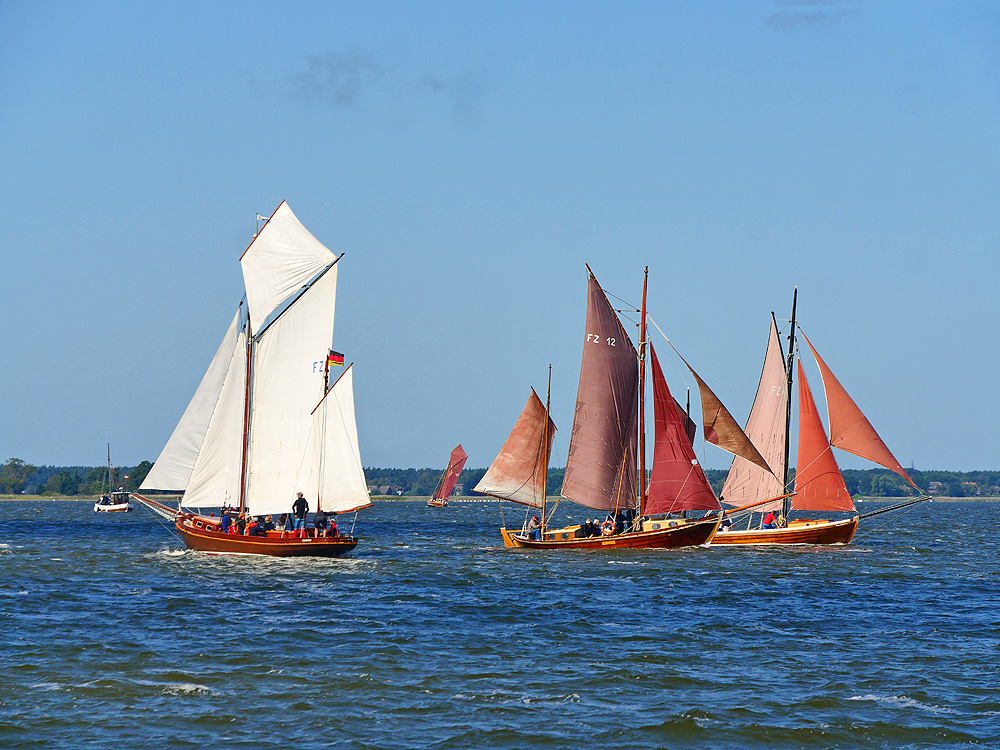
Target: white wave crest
point(186, 688)
point(901, 701)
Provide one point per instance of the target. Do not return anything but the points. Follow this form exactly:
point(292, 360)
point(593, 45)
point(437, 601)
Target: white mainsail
point(287, 373)
point(215, 479)
point(292, 444)
point(331, 471)
point(173, 467)
point(281, 260)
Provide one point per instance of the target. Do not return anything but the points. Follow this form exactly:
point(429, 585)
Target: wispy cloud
point(337, 78)
point(804, 13)
point(341, 79)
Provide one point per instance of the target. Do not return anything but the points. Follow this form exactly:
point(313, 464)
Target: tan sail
point(518, 472)
point(748, 483)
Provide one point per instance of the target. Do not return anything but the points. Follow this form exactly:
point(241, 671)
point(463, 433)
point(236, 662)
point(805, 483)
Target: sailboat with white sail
point(114, 498)
point(607, 453)
point(266, 422)
point(456, 462)
point(818, 484)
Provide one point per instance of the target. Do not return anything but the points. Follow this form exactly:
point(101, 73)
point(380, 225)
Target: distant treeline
point(17, 477)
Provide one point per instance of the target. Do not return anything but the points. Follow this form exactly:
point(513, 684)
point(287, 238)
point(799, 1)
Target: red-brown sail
point(601, 466)
point(766, 427)
point(518, 472)
point(678, 482)
point(720, 427)
point(819, 484)
point(455, 465)
point(850, 430)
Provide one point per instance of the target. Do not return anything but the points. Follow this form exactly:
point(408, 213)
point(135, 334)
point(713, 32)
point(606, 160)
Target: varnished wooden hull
point(437, 503)
point(798, 532)
point(205, 537)
point(689, 534)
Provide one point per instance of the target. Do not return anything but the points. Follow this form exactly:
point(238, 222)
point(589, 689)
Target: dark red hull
point(205, 537)
point(690, 534)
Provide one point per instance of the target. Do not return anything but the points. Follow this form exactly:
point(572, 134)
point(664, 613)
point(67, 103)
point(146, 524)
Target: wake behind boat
point(265, 422)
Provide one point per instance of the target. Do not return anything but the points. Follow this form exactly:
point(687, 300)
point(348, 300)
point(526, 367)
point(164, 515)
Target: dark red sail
point(678, 482)
point(455, 465)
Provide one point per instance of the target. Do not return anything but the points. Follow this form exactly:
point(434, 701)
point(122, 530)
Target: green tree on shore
point(14, 476)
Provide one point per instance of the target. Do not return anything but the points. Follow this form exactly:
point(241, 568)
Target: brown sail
point(518, 472)
point(819, 484)
point(850, 430)
point(720, 427)
point(601, 466)
point(677, 482)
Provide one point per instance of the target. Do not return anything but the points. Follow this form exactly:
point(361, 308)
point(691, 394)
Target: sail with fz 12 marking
point(601, 466)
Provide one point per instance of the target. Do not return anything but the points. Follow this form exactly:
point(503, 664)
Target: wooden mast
point(545, 452)
point(786, 504)
point(246, 420)
point(642, 396)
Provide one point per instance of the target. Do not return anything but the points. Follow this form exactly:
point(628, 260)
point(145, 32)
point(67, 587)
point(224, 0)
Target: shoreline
point(451, 500)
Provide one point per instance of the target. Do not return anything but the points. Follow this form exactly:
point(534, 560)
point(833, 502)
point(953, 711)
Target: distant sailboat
point(819, 485)
point(114, 497)
point(606, 443)
point(455, 465)
point(265, 422)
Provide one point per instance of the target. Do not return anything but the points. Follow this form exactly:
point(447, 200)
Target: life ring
point(608, 528)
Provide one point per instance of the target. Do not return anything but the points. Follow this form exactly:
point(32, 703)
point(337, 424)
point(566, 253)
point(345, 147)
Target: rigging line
point(891, 519)
point(631, 307)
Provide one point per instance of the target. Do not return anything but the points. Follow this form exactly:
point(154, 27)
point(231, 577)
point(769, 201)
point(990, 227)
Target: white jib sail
point(279, 262)
point(215, 480)
point(332, 472)
point(287, 384)
point(176, 461)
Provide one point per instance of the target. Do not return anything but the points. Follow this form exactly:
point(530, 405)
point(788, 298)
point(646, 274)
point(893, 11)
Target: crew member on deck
point(533, 528)
point(299, 509)
point(225, 522)
point(332, 529)
point(319, 522)
point(769, 521)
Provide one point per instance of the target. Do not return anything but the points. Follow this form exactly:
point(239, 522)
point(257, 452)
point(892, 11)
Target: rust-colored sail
point(678, 482)
point(518, 472)
point(819, 484)
point(455, 465)
point(766, 427)
point(720, 427)
point(601, 467)
point(850, 430)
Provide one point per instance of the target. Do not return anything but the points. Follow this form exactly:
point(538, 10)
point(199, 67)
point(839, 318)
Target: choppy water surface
point(433, 635)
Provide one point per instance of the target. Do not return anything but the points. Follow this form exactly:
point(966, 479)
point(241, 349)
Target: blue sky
point(470, 158)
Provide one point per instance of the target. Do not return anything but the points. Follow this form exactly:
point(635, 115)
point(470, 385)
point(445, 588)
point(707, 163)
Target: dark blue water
point(432, 635)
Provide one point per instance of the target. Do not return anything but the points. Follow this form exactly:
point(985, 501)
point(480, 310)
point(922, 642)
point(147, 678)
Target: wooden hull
point(203, 535)
point(435, 503)
point(687, 534)
point(798, 532)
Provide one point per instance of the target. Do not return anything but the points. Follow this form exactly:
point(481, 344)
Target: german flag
point(335, 358)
